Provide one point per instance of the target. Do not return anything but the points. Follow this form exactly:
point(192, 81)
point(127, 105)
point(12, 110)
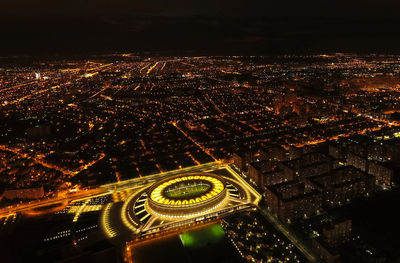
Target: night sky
point(198, 27)
point(321, 8)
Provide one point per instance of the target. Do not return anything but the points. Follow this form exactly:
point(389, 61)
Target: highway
point(102, 190)
point(24, 207)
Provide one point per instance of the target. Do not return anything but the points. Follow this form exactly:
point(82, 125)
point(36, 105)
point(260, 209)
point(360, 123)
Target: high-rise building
point(343, 184)
point(293, 200)
point(333, 235)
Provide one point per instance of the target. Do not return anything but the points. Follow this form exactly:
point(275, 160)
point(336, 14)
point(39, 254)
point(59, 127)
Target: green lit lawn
point(204, 245)
point(187, 192)
point(200, 238)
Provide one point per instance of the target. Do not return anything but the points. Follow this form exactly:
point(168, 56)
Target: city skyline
point(199, 131)
point(108, 154)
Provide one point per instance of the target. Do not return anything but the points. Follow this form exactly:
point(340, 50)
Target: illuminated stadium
point(173, 200)
point(186, 195)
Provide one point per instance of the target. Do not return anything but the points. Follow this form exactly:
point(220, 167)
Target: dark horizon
point(195, 35)
point(206, 27)
point(340, 8)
